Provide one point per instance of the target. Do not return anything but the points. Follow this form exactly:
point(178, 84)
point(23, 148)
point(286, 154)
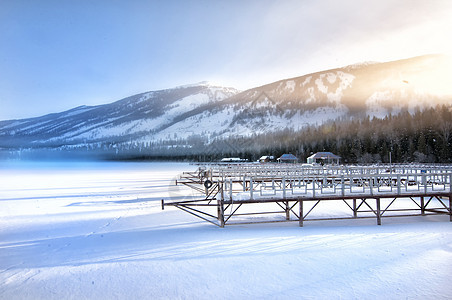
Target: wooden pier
point(246, 193)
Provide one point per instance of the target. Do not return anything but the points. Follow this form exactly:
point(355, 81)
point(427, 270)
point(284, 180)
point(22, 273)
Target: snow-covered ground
point(97, 231)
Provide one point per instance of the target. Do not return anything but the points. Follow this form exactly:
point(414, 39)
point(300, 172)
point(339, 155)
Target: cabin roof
point(288, 157)
point(324, 155)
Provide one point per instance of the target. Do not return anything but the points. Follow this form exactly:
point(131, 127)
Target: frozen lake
point(96, 231)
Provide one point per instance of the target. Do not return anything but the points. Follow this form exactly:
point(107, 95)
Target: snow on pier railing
point(241, 182)
point(290, 187)
point(270, 169)
point(295, 188)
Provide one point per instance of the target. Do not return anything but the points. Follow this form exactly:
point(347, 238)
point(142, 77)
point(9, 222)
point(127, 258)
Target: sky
point(60, 54)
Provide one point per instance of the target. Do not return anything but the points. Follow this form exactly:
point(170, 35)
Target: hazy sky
point(58, 54)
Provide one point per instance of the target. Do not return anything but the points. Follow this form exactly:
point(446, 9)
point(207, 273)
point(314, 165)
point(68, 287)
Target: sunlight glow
point(435, 81)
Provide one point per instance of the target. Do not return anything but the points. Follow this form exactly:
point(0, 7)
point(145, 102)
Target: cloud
point(62, 54)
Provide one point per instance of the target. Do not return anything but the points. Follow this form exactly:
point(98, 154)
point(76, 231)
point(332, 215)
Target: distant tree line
point(422, 136)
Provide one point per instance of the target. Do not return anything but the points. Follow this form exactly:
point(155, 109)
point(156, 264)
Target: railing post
point(398, 184)
point(450, 183)
point(230, 189)
point(251, 188)
point(284, 187)
point(313, 186)
point(424, 182)
point(351, 183)
point(342, 185)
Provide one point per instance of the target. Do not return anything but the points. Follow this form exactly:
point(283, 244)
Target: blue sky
point(59, 54)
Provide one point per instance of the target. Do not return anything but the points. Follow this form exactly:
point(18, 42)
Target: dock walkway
point(296, 191)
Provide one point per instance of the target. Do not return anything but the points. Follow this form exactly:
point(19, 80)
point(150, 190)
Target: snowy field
point(97, 231)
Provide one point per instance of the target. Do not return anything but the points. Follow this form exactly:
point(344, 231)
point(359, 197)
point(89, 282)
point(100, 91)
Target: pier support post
point(287, 209)
point(450, 197)
point(450, 206)
point(422, 206)
point(221, 212)
point(355, 211)
point(301, 216)
point(378, 211)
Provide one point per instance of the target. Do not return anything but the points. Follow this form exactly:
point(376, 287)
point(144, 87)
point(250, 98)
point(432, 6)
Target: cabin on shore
point(266, 158)
point(288, 158)
point(324, 158)
point(233, 160)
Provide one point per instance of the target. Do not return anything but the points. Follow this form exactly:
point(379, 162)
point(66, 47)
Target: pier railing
point(290, 186)
point(226, 188)
point(233, 170)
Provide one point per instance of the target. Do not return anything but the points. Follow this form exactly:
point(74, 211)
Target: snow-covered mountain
point(368, 89)
point(209, 112)
point(126, 120)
